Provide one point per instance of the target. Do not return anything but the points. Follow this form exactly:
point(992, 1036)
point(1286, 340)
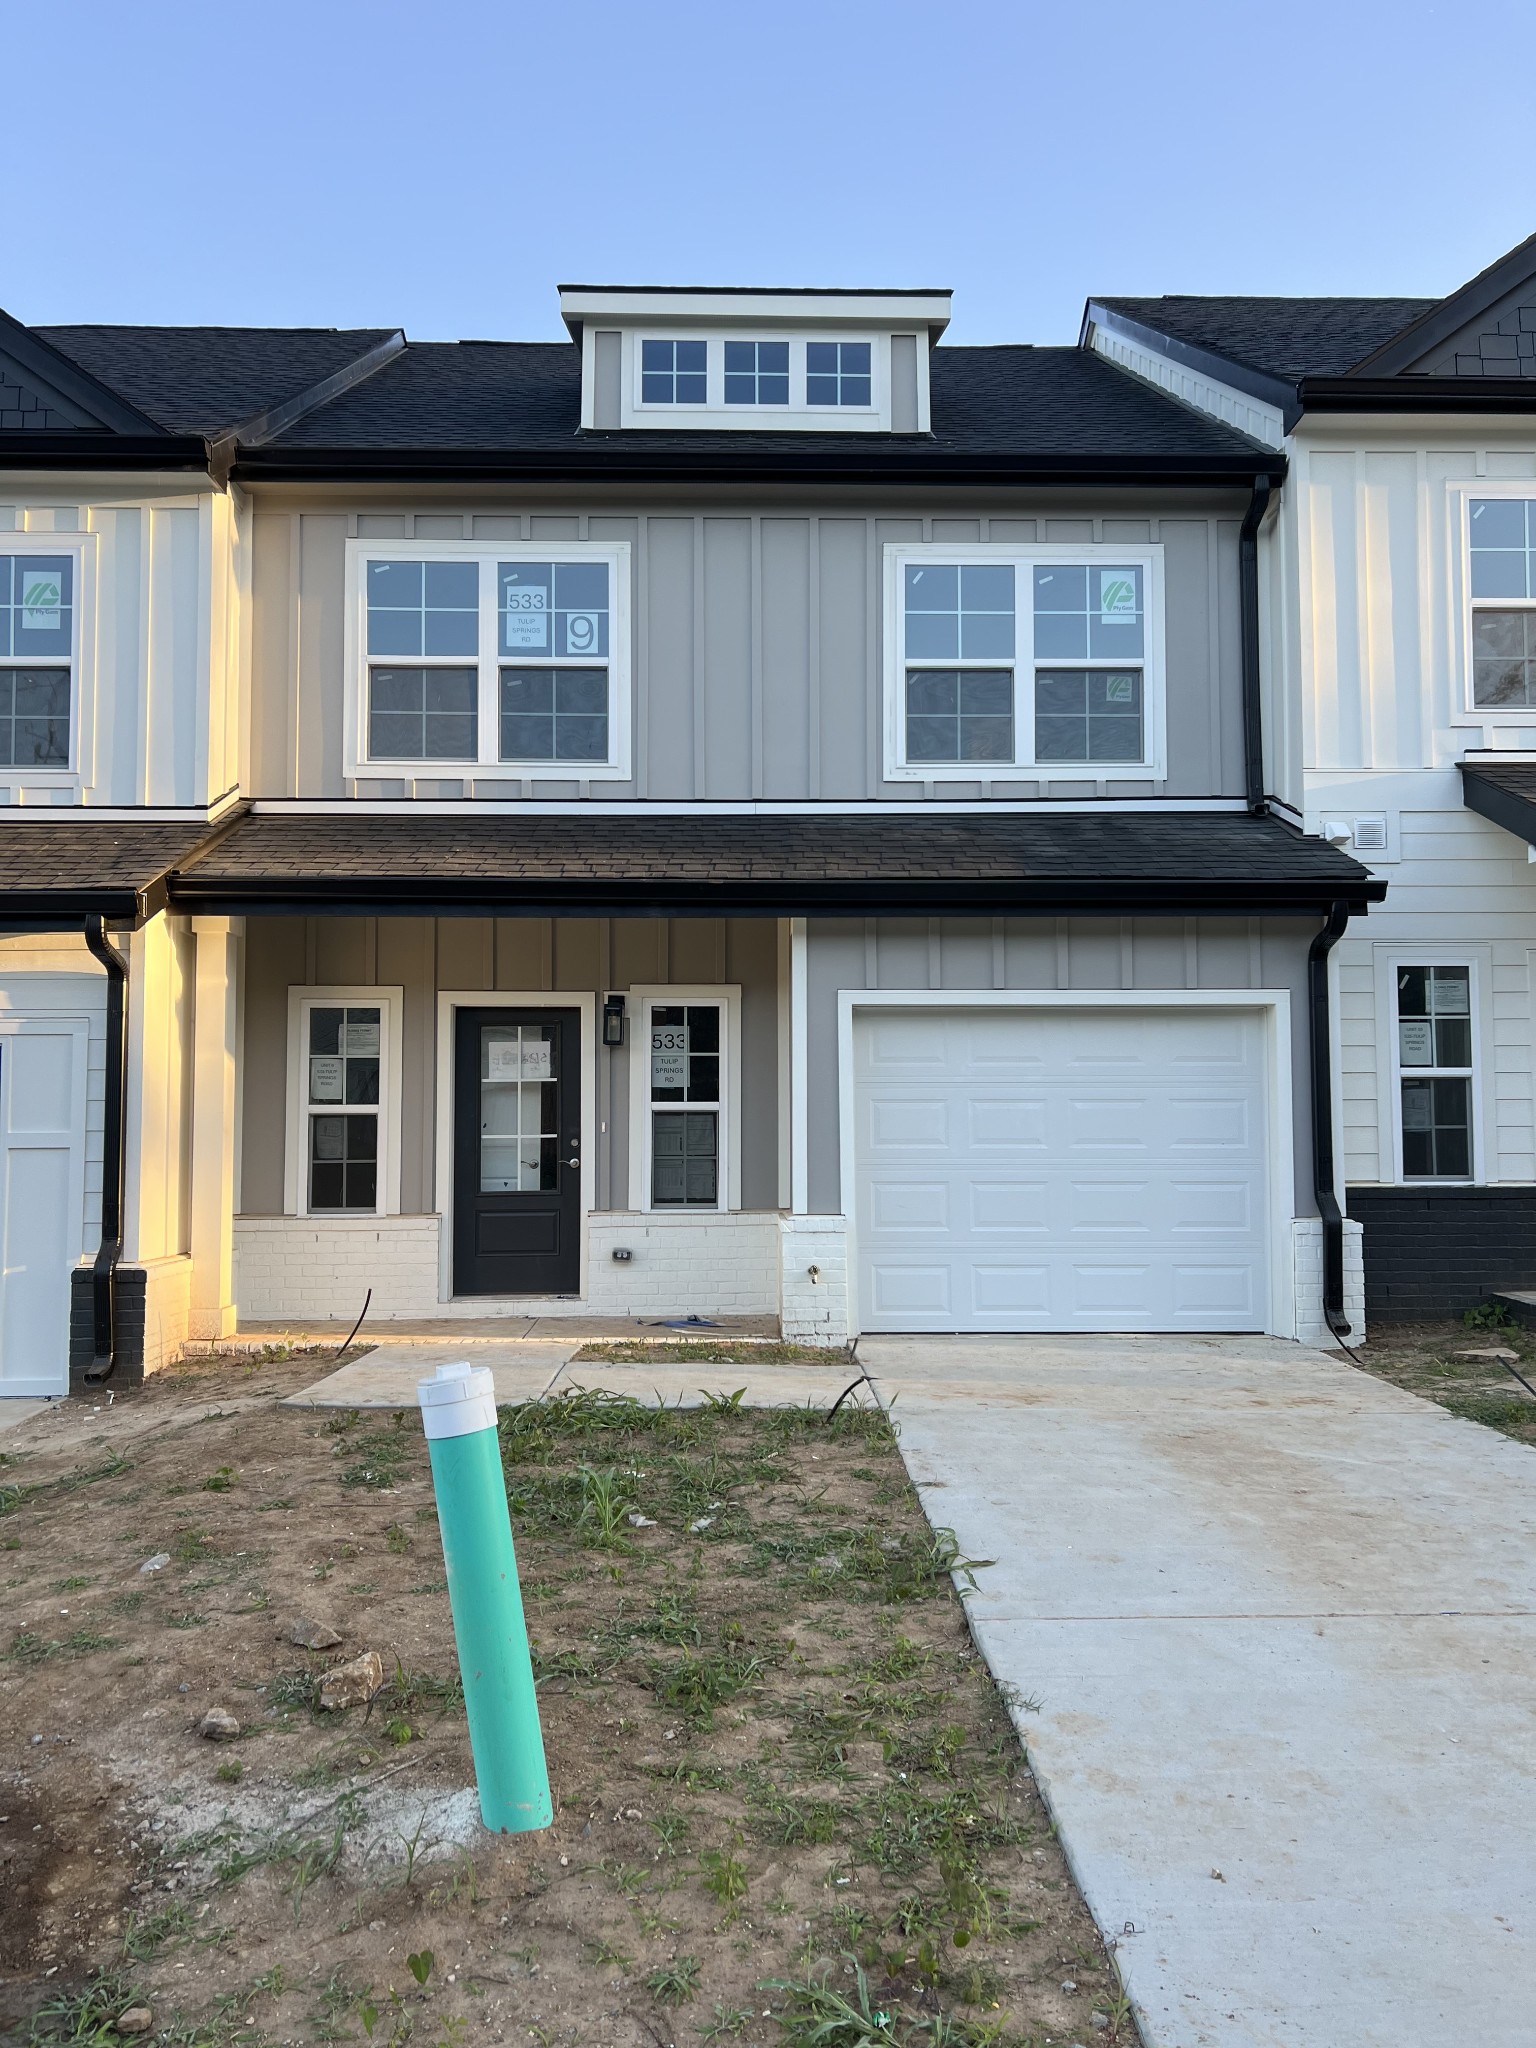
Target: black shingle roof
point(526, 396)
point(1018, 862)
point(204, 380)
point(69, 869)
point(1282, 337)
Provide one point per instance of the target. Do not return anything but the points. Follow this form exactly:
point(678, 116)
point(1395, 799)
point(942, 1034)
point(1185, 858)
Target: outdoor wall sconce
point(613, 1020)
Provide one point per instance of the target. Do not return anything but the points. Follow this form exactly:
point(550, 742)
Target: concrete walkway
point(1281, 1622)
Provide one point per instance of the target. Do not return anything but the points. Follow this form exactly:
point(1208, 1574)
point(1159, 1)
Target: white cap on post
point(459, 1399)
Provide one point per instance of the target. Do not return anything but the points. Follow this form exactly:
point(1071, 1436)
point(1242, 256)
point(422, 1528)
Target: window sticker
point(1416, 1041)
point(503, 1061)
point(535, 1061)
point(326, 1074)
point(42, 598)
point(1418, 1107)
point(669, 1056)
point(527, 618)
point(1120, 689)
point(1117, 595)
point(581, 632)
point(362, 1035)
point(1452, 995)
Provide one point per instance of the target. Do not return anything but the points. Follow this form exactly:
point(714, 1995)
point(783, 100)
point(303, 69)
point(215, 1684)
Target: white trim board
point(449, 1000)
point(1275, 1004)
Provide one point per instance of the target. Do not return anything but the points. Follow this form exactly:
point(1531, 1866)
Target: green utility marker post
point(458, 1413)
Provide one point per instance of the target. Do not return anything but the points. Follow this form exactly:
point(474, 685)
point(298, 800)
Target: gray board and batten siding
point(1091, 953)
point(423, 955)
point(756, 666)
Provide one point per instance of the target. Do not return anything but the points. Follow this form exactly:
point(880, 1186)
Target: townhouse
point(748, 810)
point(1399, 634)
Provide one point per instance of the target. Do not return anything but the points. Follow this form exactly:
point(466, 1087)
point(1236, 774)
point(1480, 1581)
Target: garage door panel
point(1037, 1163)
point(1022, 1205)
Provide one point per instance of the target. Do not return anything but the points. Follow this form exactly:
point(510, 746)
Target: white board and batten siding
point(162, 655)
point(1377, 631)
point(1062, 1169)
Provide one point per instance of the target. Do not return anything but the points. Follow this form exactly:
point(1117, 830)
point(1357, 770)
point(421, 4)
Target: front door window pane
point(519, 1109)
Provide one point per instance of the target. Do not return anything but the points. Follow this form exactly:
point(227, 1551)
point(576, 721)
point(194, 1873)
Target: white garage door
point(1061, 1169)
point(42, 1164)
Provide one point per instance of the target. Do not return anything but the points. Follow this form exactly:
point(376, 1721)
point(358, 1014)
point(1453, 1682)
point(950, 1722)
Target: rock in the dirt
point(352, 1684)
point(639, 1521)
point(309, 1635)
point(830, 1563)
point(138, 2019)
point(1492, 1351)
point(157, 1563)
point(218, 1725)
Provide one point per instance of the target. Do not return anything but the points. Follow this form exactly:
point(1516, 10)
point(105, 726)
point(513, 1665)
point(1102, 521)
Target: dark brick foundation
point(1433, 1252)
point(129, 1371)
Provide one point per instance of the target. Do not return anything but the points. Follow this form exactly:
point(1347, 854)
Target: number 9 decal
point(581, 632)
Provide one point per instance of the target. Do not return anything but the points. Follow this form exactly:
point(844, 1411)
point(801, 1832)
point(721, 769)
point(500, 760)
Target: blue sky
point(443, 165)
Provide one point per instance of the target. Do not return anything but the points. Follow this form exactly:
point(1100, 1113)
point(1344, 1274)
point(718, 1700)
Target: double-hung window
point(684, 1099)
point(343, 1102)
point(1503, 583)
point(1435, 1071)
point(38, 641)
point(502, 657)
point(1033, 660)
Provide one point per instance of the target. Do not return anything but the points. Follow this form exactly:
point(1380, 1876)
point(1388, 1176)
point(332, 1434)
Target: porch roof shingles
point(772, 864)
point(112, 867)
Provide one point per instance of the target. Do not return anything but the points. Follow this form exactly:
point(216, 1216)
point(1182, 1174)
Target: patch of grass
point(1515, 1416)
point(699, 1683)
point(381, 1456)
point(87, 2017)
point(723, 1875)
point(29, 1648)
point(150, 1934)
point(222, 1481)
point(676, 1982)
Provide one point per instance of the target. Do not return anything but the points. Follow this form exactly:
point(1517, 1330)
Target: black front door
point(517, 1152)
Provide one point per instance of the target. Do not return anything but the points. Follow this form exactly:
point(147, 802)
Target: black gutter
point(594, 460)
point(642, 896)
point(58, 910)
point(1498, 805)
point(1410, 394)
point(1253, 702)
point(114, 1157)
point(115, 452)
point(1323, 1170)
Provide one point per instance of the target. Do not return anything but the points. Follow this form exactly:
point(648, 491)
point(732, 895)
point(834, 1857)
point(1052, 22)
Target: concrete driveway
point(1279, 1620)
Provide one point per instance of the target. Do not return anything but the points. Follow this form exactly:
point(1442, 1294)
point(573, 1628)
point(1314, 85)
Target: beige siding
point(1044, 953)
point(423, 956)
point(756, 654)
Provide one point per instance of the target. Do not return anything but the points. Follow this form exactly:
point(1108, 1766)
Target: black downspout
point(1253, 705)
point(114, 1161)
point(1322, 1121)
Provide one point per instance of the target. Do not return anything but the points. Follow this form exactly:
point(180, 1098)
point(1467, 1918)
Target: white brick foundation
point(167, 1310)
point(1307, 1250)
point(708, 1265)
point(299, 1266)
point(813, 1279)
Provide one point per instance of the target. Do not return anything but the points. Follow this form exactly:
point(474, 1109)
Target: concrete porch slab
point(478, 1331)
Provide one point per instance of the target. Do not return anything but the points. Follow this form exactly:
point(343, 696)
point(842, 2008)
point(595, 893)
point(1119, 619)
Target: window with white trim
point(503, 656)
point(1503, 585)
point(37, 658)
point(343, 1108)
point(793, 375)
point(686, 1080)
point(1435, 1072)
point(1008, 659)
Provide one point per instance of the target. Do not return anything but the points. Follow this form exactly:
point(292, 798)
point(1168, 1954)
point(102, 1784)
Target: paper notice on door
point(535, 1064)
point(1416, 1041)
point(503, 1060)
point(326, 1075)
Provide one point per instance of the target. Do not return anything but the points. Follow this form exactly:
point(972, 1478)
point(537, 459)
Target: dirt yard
point(1459, 1367)
point(790, 1806)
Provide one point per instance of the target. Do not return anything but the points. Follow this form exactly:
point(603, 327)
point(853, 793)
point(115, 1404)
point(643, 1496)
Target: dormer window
point(674, 373)
point(757, 373)
point(837, 373)
point(807, 362)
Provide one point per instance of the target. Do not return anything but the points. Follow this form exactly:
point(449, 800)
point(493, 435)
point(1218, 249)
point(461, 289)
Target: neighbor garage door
point(1054, 1169)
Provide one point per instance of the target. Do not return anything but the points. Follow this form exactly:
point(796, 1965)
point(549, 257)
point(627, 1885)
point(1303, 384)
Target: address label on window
point(1416, 1041)
point(536, 1065)
point(669, 1056)
point(42, 598)
point(326, 1074)
point(1117, 595)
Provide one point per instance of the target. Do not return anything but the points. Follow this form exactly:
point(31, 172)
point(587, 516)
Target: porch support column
point(799, 1072)
point(211, 1238)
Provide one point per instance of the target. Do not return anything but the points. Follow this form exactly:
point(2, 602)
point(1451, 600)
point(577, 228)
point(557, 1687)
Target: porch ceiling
point(696, 864)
